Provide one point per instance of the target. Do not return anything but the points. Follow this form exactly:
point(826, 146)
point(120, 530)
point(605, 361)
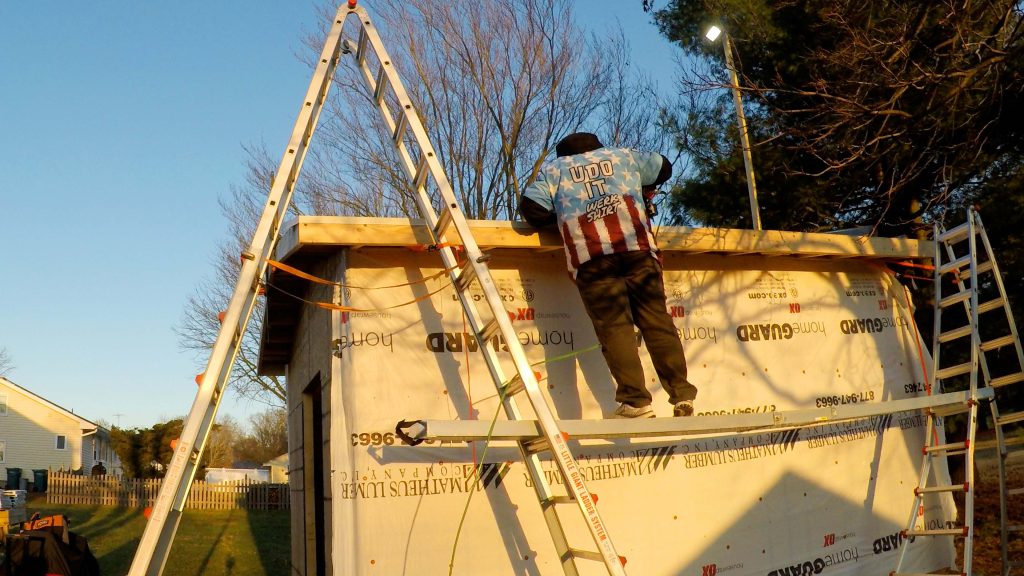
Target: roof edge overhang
point(309, 238)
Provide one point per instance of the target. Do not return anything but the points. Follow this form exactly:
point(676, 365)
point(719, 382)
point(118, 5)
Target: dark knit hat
point(577, 143)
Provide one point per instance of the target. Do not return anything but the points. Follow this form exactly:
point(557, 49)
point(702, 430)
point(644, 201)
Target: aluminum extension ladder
point(964, 276)
point(420, 163)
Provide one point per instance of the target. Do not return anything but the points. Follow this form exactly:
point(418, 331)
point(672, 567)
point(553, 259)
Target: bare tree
point(496, 82)
point(267, 439)
point(6, 364)
point(220, 450)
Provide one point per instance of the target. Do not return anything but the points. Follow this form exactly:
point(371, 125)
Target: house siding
point(310, 356)
point(30, 429)
point(96, 447)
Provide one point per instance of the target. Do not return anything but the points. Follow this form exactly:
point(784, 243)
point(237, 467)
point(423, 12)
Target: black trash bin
point(39, 480)
point(13, 478)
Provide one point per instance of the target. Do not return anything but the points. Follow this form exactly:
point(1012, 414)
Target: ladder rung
point(1015, 491)
point(1010, 418)
point(950, 409)
point(1015, 528)
point(361, 47)
point(443, 222)
point(378, 90)
point(466, 277)
point(560, 500)
point(400, 126)
point(944, 488)
point(954, 334)
point(997, 343)
point(955, 299)
point(536, 445)
point(937, 532)
point(489, 330)
point(945, 447)
point(586, 554)
point(1008, 379)
point(956, 234)
point(1016, 441)
point(420, 177)
point(955, 264)
point(981, 268)
point(951, 371)
point(513, 386)
point(990, 305)
point(982, 445)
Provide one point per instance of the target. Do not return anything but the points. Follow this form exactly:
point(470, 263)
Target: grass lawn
point(213, 542)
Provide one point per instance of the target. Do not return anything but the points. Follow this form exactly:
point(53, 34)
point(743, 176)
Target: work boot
point(684, 408)
point(627, 411)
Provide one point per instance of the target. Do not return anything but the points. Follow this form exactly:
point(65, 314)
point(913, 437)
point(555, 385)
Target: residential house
point(278, 467)
point(36, 434)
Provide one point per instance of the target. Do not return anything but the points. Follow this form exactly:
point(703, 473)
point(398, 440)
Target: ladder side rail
point(972, 416)
point(937, 316)
point(378, 83)
point(970, 304)
point(477, 260)
point(532, 460)
point(1004, 512)
point(154, 547)
point(918, 497)
point(1004, 516)
point(973, 316)
point(997, 275)
point(971, 310)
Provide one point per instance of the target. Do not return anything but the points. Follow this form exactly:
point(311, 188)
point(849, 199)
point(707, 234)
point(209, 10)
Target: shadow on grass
point(272, 529)
point(230, 561)
point(209, 542)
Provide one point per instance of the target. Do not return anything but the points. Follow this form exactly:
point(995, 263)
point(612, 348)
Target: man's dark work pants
point(623, 290)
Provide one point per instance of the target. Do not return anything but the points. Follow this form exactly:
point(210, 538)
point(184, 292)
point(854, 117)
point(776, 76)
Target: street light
point(712, 34)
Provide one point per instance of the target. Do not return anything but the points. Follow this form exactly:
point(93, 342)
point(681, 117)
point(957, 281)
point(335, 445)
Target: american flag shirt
point(597, 200)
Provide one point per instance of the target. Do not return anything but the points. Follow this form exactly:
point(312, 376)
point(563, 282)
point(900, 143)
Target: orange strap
point(912, 277)
point(913, 265)
point(306, 276)
point(296, 272)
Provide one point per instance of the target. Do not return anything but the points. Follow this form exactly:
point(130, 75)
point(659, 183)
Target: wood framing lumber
point(311, 232)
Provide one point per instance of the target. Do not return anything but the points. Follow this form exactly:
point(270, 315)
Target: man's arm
point(535, 214)
point(665, 173)
point(536, 206)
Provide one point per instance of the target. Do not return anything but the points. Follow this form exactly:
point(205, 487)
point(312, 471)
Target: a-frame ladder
point(468, 267)
point(459, 252)
point(154, 547)
point(1010, 371)
point(968, 286)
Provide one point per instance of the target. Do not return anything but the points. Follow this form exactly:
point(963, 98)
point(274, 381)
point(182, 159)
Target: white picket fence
point(66, 488)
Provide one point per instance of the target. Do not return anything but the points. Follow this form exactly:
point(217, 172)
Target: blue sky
point(121, 125)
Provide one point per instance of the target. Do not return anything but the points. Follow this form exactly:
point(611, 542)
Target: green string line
point(487, 445)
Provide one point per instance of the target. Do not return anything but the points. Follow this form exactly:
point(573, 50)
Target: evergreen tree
point(876, 113)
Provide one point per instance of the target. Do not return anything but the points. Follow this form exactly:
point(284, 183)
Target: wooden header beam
point(339, 231)
point(310, 238)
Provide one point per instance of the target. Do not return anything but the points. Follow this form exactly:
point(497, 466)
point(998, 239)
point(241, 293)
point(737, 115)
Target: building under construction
point(448, 399)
